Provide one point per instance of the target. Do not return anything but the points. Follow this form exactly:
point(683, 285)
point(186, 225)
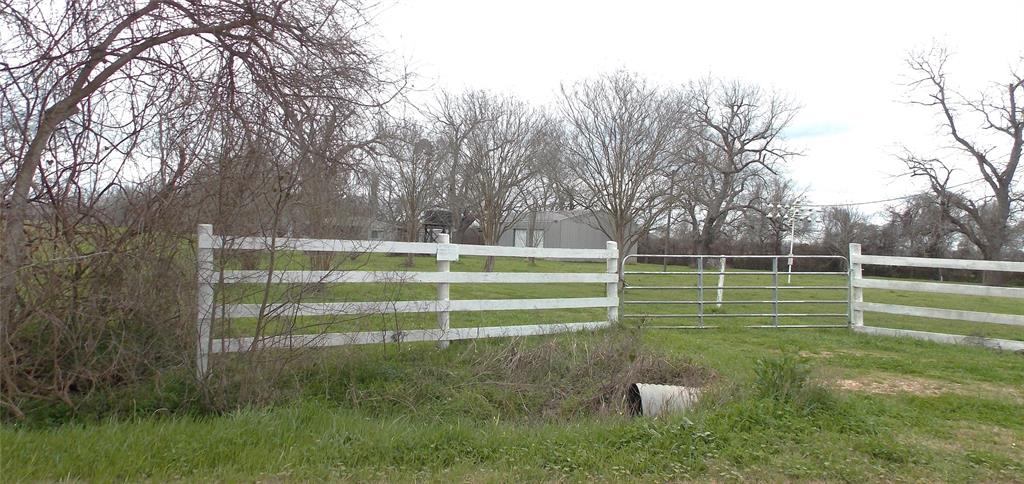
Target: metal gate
point(747, 289)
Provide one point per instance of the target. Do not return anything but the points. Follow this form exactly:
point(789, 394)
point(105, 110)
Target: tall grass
point(787, 381)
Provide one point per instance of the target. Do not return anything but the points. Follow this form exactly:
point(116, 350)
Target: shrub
point(98, 311)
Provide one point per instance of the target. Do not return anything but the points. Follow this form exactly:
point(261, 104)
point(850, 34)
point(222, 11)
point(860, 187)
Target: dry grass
point(585, 374)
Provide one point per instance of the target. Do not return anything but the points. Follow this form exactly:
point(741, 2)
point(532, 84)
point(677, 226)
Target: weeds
point(587, 375)
point(787, 381)
point(563, 378)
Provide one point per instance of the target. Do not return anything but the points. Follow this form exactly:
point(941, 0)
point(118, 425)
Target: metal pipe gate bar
point(775, 313)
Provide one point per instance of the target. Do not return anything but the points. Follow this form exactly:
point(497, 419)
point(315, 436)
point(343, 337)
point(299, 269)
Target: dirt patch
point(996, 437)
point(967, 436)
point(890, 384)
point(830, 354)
point(816, 354)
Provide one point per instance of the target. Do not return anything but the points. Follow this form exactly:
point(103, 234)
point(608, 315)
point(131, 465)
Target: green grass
point(888, 409)
point(968, 426)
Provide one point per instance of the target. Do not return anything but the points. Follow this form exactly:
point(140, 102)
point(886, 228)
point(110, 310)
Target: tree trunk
point(14, 250)
point(994, 278)
point(668, 237)
point(620, 242)
point(531, 240)
point(490, 238)
point(412, 230)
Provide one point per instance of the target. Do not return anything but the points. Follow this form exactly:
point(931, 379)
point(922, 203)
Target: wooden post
point(204, 298)
point(612, 288)
point(721, 280)
point(856, 293)
point(443, 295)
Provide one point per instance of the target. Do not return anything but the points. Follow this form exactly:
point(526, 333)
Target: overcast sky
point(843, 62)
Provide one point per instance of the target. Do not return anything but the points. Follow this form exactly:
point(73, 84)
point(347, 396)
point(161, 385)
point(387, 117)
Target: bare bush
point(124, 125)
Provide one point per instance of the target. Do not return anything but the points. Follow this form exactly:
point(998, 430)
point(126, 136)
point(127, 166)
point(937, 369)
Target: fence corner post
point(856, 293)
point(204, 298)
point(443, 295)
point(612, 288)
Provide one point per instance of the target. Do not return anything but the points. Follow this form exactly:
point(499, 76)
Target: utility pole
point(789, 215)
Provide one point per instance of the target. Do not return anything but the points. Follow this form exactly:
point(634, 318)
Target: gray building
point(565, 229)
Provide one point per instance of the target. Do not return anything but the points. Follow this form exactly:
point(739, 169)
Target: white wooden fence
point(444, 253)
point(857, 305)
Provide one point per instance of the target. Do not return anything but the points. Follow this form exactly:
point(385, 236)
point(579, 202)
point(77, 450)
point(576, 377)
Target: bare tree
point(919, 228)
point(409, 172)
point(737, 130)
point(766, 233)
point(454, 120)
point(989, 221)
point(620, 132)
point(543, 190)
point(500, 157)
point(842, 226)
point(327, 143)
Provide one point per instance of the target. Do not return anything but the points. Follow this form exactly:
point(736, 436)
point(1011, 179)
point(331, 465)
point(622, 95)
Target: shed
point(566, 229)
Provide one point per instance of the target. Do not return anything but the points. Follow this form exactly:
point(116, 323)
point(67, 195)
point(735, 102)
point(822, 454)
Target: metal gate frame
point(775, 287)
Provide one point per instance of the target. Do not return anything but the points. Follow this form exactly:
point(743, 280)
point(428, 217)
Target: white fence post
point(856, 292)
point(721, 280)
point(612, 288)
point(204, 299)
point(443, 294)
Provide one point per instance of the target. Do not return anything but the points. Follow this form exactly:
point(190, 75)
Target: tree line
point(616, 145)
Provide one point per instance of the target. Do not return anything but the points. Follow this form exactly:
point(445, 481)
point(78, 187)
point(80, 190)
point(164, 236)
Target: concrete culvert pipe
point(654, 400)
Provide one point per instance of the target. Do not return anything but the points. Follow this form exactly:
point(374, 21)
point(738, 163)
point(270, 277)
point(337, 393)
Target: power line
point(894, 199)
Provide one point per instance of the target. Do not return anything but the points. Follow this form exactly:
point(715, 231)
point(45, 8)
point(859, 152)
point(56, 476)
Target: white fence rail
point(858, 283)
point(444, 253)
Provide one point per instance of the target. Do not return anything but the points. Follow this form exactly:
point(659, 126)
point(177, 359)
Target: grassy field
point(874, 409)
